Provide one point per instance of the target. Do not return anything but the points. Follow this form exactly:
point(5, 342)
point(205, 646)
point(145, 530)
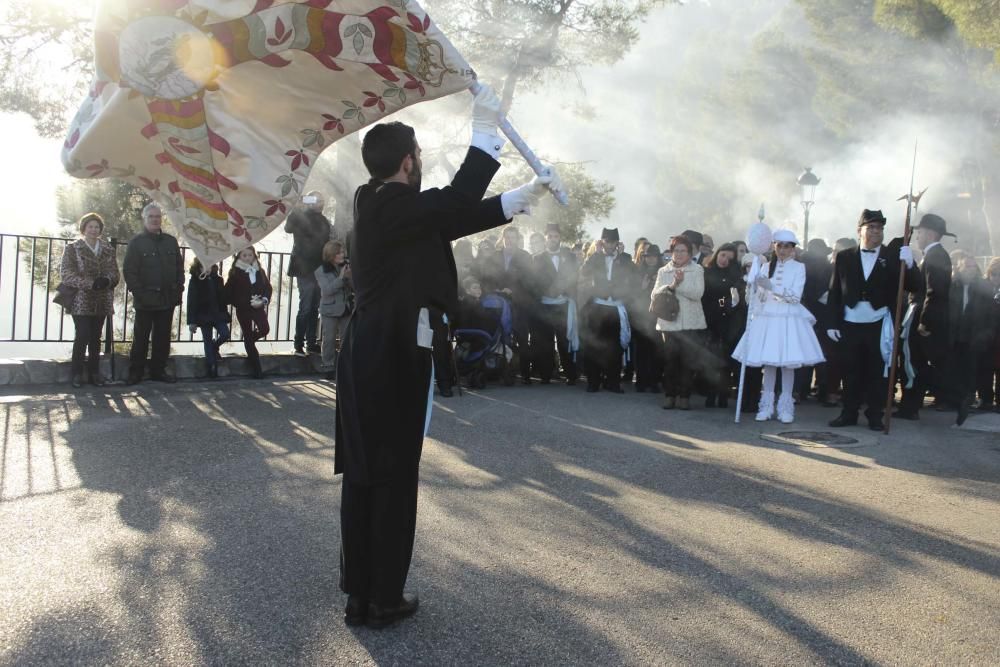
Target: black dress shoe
point(380, 617)
point(77, 381)
point(876, 425)
point(908, 415)
point(525, 380)
point(97, 380)
point(544, 381)
point(132, 379)
point(445, 391)
point(356, 611)
point(844, 420)
point(571, 382)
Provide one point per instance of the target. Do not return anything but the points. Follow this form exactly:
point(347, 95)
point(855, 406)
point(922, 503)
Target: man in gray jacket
point(154, 273)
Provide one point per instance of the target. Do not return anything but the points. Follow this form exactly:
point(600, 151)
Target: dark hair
point(385, 146)
point(197, 269)
point(87, 218)
point(684, 241)
point(725, 247)
point(469, 281)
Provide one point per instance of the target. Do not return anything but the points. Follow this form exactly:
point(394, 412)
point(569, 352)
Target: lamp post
point(808, 181)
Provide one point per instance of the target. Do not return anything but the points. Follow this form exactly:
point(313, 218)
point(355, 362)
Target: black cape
point(401, 262)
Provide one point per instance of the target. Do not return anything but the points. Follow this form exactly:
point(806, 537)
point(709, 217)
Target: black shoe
point(97, 380)
point(593, 389)
point(77, 381)
point(545, 381)
point(164, 377)
point(258, 371)
point(876, 425)
point(380, 617)
point(963, 413)
point(984, 406)
point(571, 382)
point(526, 380)
point(313, 349)
point(445, 391)
point(133, 379)
point(356, 611)
point(908, 415)
point(331, 376)
point(844, 420)
point(299, 352)
point(710, 401)
point(616, 389)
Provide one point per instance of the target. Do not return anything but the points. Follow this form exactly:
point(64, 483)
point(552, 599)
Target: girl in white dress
point(779, 331)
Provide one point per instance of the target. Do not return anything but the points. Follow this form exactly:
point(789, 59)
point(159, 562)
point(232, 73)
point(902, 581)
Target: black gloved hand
point(101, 283)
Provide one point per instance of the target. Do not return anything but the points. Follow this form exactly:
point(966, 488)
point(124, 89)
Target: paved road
point(197, 524)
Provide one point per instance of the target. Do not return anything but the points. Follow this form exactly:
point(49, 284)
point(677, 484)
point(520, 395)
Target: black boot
point(258, 370)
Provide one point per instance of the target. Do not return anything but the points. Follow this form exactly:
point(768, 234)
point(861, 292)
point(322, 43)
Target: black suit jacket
point(848, 285)
point(971, 323)
point(401, 261)
point(931, 295)
point(593, 282)
point(553, 283)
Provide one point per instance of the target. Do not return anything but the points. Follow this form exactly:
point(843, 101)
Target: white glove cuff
point(491, 144)
point(507, 204)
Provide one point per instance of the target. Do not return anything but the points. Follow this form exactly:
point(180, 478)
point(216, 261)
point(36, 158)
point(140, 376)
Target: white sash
point(625, 337)
point(572, 333)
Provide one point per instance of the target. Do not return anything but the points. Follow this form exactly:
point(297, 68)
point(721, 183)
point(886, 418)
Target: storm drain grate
point(818, 439)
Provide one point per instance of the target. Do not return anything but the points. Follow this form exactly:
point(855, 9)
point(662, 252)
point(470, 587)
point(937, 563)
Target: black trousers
point(603, 362)
point(962, 372)
point(860, 355)
point(929, 361)
point(87, 343)
point(550, 323)
point(684, 354)
point(648, 358)
point(377, 527)
point(158, 322)
point(255, 326)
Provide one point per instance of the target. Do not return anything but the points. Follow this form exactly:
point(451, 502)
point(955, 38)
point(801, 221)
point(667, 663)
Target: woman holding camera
point(723, 281)
point(89, 266)
point(334, 278)
point(249, 291)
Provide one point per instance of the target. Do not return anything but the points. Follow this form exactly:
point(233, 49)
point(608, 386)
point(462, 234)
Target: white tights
point(771, 375)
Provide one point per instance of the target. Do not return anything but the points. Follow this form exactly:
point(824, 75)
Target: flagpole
point(896, 323)
point(750, 294)
point(529, 155)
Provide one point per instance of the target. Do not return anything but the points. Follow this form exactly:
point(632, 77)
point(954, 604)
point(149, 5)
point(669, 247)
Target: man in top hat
point(862, 300)
point(604, 285)
point(555, 272)
point(925, 327)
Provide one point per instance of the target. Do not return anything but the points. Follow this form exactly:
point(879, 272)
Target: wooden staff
point(896, 322)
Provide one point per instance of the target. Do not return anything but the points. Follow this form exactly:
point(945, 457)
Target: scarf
point(251, 270)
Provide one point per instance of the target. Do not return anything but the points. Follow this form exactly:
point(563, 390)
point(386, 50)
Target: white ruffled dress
point(779, 328)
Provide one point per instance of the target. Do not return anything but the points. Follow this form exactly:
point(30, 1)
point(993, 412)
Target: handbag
point(66, 294)
point(665, 305)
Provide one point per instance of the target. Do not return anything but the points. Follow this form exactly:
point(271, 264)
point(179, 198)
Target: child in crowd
point(249, 291)
point(780, 331)
point(334, 278)
point(206, 310)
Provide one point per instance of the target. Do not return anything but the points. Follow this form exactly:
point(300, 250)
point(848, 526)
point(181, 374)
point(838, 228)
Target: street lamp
point(808, 181)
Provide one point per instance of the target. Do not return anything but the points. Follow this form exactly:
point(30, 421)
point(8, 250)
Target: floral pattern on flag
point(219, 108)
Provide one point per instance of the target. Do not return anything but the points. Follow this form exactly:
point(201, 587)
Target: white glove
point(520, 200)
point(906, 255)
point(763, 282)
point(485, 111)
point(833, 334)
point(735, 295)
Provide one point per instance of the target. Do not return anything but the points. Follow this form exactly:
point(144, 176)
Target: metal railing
point(30, 273)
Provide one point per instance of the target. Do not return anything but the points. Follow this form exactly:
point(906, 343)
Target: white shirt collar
point(931, 246)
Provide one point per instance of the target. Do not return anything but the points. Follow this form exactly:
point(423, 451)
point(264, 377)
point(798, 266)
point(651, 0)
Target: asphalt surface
point(198, 524)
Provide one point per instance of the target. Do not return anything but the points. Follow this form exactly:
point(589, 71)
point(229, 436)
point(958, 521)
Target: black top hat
point(934, 223)
point(818, 246)
point(610, 234)
point(552, 227)
point(869, 217)
point(694, 237)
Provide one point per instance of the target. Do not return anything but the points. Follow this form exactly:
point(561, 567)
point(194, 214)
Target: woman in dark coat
point(249, 291)
point(89, 265)
point(648, 348)
point(723, 283)
point(206, 310)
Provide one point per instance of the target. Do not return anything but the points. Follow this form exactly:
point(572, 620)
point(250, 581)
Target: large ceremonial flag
point(219, 108)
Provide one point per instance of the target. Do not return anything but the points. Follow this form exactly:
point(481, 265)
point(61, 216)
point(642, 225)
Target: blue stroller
point(483, 350)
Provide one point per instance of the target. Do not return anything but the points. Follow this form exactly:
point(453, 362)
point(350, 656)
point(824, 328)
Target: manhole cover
point(818, 439)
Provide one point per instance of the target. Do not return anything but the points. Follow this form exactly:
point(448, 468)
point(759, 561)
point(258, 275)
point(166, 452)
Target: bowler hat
point(935, 223)
point(610, 234)
point(871, 217)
